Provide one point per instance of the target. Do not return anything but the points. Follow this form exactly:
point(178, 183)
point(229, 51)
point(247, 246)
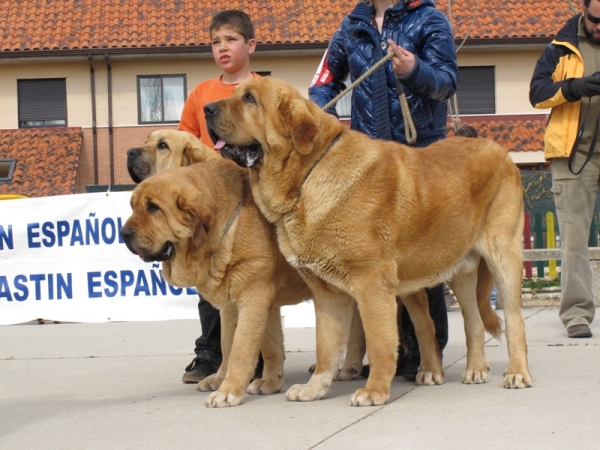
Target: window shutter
point(476, 91)
point(42, 99)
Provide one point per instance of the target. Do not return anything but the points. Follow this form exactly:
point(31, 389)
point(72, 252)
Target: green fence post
point(593, 242)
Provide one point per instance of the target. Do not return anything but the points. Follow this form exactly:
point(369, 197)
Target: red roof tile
point(85, 24)
point(515, 135)
point(479, 19)
point(47, 160)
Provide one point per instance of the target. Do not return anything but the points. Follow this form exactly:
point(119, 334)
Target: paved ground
point(117, 386)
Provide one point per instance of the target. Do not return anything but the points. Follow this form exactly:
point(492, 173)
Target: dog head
point(264, 118)
point(165, 149)
point(170, 219)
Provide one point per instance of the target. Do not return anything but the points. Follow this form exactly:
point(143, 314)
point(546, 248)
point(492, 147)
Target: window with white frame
point(160, 98)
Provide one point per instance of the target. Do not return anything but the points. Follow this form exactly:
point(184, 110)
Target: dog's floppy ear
point(195, 152)
point(302, 125)
point(187, 156)
point(194, 220)
point(192, 154)
point(200, 235)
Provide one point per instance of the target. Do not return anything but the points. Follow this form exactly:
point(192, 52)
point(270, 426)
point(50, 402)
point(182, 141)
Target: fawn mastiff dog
point(202, 223)
point(165, 149)
point(368, 219)
point(169, 148)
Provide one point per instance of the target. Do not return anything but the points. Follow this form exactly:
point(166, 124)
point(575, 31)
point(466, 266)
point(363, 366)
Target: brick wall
point(123, 139)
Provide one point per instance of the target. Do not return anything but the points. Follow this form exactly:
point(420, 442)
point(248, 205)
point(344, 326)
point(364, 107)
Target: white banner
point(61, 259)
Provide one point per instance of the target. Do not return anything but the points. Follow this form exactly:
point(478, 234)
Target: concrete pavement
point(117, 386)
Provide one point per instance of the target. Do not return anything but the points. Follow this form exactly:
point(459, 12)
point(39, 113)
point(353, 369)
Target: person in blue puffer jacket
point(424, 61)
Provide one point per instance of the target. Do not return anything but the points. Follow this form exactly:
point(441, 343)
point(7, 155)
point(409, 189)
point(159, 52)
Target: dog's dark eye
point(162, 145)
point(152, 207)
point(248, 97)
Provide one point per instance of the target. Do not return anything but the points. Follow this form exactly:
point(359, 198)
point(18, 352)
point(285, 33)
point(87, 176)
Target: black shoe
point(411, 369)
point(404, 368)
point(579, 331)
point(198, 370)
point(366, 371)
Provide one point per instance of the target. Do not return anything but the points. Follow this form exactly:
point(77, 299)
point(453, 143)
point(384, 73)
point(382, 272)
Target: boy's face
point(230, 50)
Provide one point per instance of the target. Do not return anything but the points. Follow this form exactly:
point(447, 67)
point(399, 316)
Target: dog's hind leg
point(333, 313)
point(505, 260)
point(355, 352)
point(430, 371)
point(509, 281)
point(273, 355)
point(464, 286)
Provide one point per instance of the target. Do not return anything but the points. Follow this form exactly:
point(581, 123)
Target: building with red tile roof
point(45, 160)
point(102, 49)
point(91, 25)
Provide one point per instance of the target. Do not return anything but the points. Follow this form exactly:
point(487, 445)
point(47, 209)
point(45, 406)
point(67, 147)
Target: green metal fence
point(91, 188)
point(538, 201)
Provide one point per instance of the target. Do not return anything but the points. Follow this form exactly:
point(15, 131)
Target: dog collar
point(335, 139)
point(235, 214)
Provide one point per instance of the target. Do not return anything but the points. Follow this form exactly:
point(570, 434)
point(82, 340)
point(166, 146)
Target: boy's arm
point(189, 120)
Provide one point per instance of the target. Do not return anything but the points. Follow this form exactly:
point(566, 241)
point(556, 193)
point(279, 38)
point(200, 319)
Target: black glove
point(585, 86)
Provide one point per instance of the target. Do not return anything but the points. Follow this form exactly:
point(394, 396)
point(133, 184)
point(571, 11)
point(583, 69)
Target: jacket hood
point(364, 12)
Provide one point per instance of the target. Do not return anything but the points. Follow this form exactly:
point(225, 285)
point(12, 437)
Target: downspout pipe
point(111, 148)
point(94, 129)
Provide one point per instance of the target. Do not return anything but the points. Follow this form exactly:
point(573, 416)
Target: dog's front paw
point(479, 376)
point(304, 393)
point(265, 386)
point(220, 399)
point(426, 378)
point(370, 397)
point(517, 380)
point(210, 383)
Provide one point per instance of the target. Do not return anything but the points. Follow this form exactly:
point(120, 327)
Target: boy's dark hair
point(235, 20)
point(466, 131)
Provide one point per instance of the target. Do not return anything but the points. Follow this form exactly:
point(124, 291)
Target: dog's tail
point(485, 283)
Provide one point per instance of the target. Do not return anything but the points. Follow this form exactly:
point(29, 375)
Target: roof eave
point(519, 42)
point(316, 47)
point(154, 51)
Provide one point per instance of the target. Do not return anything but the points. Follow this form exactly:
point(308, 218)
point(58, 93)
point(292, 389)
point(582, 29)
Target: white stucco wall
point(513, 73)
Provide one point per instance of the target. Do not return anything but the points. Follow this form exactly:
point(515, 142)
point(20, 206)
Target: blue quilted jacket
point(357, 45)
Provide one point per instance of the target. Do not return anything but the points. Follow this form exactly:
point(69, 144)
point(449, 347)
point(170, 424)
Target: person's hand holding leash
point(403, 61)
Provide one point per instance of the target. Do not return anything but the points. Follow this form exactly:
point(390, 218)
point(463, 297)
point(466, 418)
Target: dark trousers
point(208, 345)
point(439, 314)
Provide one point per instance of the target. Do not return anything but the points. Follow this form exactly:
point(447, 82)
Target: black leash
point(576, 144)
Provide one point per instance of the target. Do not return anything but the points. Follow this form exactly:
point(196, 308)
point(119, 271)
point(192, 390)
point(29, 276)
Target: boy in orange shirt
point(232, 40)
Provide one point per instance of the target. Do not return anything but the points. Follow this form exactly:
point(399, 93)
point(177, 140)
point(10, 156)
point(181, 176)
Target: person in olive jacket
point(566, 79)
